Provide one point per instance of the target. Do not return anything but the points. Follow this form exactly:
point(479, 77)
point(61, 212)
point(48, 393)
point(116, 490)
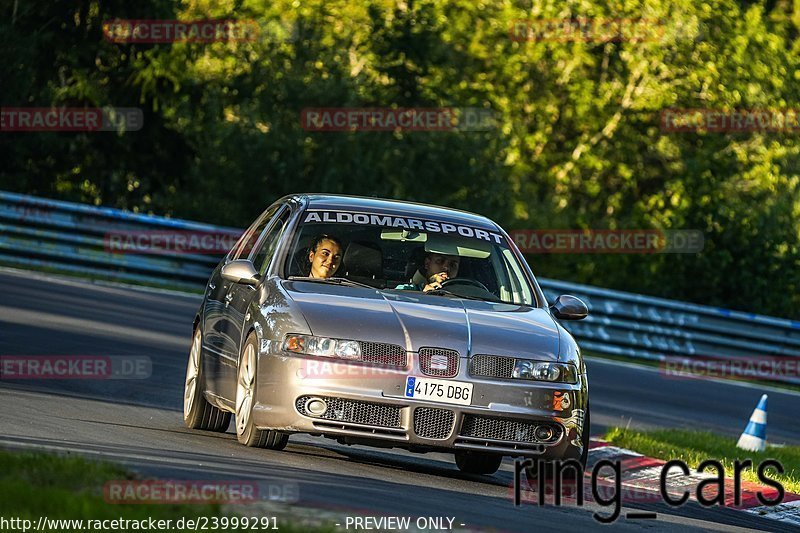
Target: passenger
point(324, 256)
point(436, 269)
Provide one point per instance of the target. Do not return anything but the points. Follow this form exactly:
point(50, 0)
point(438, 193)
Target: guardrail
point(644, 327)
point(79, 239)
point(64, 236)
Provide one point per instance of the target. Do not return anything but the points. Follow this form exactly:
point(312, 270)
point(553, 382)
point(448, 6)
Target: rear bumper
point(367, 403)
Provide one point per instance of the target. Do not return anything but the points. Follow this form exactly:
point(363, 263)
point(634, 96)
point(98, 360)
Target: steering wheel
point(464, 281)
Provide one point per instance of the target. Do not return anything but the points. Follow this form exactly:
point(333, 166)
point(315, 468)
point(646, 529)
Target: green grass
point(58, 487)
point(693, 447)
point(33, 485)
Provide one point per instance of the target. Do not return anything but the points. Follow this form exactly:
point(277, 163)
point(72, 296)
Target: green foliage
point(577, 141)
point(34, 485)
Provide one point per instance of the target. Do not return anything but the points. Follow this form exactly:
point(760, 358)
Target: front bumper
point(366, 403)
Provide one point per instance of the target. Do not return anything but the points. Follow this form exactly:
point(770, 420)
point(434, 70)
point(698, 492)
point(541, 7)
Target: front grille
point(492, 366)
point(371, 414)
point(383, 354)
point(438, 362)
point(506, 430)
point(432, 423)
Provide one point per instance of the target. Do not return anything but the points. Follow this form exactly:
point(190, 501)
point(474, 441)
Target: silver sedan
point(388, 324)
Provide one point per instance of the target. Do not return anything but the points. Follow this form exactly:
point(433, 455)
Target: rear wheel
point(197, 412)
point(247, 433)
point(477, 462)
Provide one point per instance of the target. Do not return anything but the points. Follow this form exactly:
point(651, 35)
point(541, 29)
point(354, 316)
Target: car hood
point(414, 320)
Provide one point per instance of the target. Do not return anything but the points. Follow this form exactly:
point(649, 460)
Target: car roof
point(335, 202)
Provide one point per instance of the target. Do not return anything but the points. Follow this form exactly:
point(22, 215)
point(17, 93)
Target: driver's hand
point(435, 282)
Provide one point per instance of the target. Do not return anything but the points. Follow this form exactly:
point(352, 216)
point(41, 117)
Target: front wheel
point(246, 379)
point(197, 412)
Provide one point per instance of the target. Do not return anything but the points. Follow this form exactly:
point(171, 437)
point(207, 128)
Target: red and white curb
point(641, 475)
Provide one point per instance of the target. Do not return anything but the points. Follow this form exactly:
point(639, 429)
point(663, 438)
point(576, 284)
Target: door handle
point(212, 286)
point(228, 299)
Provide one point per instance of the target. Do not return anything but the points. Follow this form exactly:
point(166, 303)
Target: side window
point(248, 239)
point(521, 293)
point(268, 245)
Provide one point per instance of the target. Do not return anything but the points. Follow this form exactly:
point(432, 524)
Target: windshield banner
point(390, 221)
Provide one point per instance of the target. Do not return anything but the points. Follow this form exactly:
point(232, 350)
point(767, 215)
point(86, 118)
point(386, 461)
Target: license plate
point(439, 390)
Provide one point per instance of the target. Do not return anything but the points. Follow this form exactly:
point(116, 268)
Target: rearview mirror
point(403, 235)
point(241, 271)
point(568, 307)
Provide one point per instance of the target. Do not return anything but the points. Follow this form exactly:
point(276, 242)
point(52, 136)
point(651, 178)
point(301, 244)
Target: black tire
point(246, 385)
point(197, 412)
point(477, 462)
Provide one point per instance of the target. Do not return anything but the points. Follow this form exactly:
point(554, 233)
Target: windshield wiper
point(334, 281)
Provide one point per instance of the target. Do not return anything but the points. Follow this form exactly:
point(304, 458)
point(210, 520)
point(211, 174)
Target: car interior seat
point(298, 265)
point(363, 262)
point(415, 262)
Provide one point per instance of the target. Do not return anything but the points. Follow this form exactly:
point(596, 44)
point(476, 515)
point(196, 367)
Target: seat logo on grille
point(439, 362)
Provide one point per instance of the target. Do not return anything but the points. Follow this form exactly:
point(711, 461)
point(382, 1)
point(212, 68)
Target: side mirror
point(241, 271)
point(568, 307)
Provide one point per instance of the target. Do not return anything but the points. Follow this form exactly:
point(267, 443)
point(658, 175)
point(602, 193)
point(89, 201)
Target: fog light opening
point(316, 406)
point(544, 433)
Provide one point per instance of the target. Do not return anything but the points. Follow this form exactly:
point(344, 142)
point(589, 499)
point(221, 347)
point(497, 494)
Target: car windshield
point(396, 253)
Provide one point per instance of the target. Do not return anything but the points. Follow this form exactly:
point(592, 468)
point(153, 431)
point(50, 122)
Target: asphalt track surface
point(138, 422)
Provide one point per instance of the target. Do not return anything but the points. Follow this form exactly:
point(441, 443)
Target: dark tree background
point(576, 142)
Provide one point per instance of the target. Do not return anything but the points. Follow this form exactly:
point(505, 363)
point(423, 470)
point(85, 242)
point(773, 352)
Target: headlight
point(322, 346)
point(556, 372)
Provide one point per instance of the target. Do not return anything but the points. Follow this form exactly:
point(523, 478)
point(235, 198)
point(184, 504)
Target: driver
point(436, 269)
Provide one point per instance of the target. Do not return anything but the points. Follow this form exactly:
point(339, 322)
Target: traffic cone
point(754, 438)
